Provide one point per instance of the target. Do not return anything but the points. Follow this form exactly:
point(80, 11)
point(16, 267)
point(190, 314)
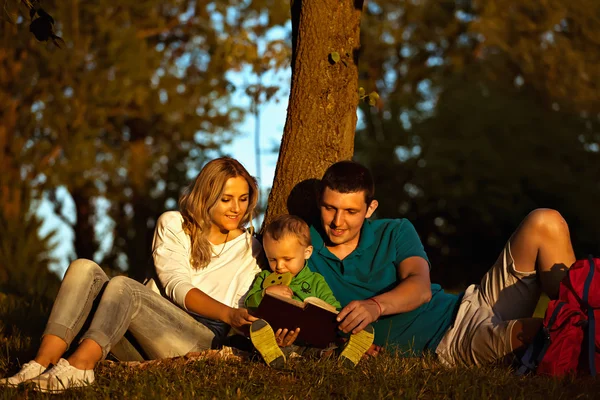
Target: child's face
point(286, 254)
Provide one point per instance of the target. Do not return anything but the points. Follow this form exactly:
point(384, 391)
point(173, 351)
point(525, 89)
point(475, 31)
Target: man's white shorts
point(482, 329)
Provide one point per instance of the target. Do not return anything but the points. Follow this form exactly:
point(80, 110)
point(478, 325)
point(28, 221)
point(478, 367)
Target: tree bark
point(86, 244)
point(11, 185)
point(321, 118)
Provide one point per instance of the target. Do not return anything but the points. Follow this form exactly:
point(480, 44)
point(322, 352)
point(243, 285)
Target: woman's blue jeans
point(110, 307)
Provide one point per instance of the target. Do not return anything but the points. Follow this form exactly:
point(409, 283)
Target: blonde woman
point(205, 262)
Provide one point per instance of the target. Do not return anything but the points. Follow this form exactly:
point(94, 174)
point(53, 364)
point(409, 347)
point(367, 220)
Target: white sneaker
point(28, 371)
point(63, 376)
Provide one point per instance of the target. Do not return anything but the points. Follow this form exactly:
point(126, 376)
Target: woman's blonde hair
point(199, 198)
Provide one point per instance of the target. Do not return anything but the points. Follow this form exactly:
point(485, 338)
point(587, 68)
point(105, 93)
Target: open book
point(314, 317)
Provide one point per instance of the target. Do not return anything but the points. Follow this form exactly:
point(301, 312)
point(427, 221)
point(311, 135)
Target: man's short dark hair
point(348, 177)
point(285, 225)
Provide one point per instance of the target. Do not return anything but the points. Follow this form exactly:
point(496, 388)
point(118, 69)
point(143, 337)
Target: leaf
point(334, 57)
point(373, 98)
point(361, 92)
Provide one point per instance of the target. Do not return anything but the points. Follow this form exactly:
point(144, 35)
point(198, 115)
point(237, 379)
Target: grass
point(385, 377)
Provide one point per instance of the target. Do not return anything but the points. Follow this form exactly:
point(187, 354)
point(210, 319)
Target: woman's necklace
point(222, 248)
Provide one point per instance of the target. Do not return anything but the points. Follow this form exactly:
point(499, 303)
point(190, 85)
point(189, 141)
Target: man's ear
point(308, 252)
point(371, 208)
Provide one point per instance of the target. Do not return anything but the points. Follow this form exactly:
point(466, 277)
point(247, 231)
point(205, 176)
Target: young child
point(287, 245)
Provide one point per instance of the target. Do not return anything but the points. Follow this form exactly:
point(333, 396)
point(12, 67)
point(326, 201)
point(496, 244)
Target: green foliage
point(468, 136)
point(25, 257)
point(129, 110)
point(371, 98)
point(553, 43)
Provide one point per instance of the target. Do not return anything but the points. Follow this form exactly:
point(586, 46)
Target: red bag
point(570, 338)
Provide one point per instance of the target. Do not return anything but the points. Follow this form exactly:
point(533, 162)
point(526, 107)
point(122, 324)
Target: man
point(379, 272)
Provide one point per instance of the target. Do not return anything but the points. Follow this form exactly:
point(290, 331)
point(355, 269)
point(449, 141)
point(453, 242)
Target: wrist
point(226, 315)
point(374, 300)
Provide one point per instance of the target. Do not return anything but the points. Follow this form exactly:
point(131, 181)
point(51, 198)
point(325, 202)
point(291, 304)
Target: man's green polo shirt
point(371, 269)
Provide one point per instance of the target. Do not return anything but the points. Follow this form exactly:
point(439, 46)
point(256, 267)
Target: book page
point(320, 303)
point(286, 299)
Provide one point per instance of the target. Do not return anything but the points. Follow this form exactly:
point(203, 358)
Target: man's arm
point(413, 291)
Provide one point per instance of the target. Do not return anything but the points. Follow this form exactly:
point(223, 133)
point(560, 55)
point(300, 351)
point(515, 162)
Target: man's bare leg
point(524, 331)
point(541, 243)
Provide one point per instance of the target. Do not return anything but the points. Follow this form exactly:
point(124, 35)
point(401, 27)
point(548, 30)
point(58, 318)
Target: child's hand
point(285, 337)
point(280, 290)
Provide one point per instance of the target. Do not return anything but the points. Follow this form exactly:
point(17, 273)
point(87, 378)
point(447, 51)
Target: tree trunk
point(86, 244)
point(321, 118)
point(11, 185)
point(141, 233)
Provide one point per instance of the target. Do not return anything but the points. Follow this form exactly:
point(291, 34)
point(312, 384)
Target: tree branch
point(146, 33)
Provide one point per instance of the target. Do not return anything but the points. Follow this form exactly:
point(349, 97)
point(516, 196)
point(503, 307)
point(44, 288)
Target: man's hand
point(280, 290)
point(239, 317)
point(357, 315)
point(285, 337)
point(413, 291)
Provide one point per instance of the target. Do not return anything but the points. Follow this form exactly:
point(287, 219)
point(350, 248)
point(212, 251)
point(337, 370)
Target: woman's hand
point(239, 317)
point(285, 337)
point(280, 290)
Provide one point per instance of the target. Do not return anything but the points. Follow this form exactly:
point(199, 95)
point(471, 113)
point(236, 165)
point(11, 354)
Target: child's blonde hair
point(285, 225)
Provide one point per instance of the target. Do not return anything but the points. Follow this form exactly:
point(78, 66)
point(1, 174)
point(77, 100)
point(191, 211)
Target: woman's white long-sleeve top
point(226, 278)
